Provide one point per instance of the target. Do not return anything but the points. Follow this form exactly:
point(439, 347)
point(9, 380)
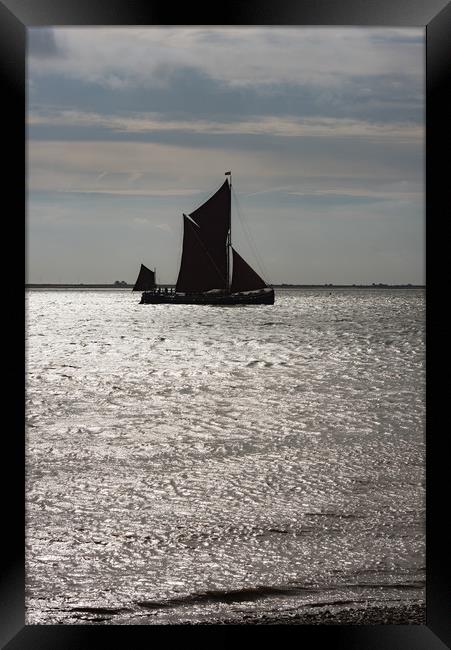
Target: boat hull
point(154, 298)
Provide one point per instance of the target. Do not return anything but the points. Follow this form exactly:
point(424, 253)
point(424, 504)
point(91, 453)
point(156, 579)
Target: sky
point(323, 129)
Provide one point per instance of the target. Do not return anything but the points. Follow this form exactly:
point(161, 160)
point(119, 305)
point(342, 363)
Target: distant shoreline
point(275, 286)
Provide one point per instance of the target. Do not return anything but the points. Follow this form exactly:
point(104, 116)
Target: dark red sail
point(146, 279)
point(213, 219)
point(244, 277)
point(199, 270)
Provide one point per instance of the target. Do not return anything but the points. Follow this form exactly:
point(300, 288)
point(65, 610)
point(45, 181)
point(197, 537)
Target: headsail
point(146, 279)
point(199, 269)
point(244, 277)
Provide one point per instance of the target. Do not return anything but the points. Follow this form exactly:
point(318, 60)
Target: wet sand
point(414, 614)
point(372, 614)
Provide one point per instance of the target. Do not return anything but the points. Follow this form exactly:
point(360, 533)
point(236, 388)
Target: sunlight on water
point(194, 463)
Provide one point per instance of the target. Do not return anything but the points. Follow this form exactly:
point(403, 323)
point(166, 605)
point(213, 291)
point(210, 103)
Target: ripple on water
point(212, 462)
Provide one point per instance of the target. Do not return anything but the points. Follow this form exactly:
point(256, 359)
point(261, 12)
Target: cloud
point(377, 170)
point(133, 192)
point(323, 129)
point(288, 126)
point(378, 99)
point(236, 56)
point(42, 43)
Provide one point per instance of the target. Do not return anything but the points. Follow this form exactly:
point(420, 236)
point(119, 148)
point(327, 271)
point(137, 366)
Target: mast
point(229, 237)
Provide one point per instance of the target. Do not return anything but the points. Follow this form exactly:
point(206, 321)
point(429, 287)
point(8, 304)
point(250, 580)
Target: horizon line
point(124, 284)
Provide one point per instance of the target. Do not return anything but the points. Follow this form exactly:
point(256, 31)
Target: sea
point(192, 464)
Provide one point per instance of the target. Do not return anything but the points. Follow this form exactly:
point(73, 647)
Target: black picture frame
point(15, 17)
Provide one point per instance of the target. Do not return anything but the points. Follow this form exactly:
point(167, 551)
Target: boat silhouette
point(211, 271)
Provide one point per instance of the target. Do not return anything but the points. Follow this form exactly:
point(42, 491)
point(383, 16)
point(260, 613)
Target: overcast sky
point(323, 129)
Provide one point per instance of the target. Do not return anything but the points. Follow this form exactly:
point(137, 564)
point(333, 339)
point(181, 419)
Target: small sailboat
point(211, 271)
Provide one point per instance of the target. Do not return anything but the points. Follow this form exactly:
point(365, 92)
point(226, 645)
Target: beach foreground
point(396, 614)
point(413, 613)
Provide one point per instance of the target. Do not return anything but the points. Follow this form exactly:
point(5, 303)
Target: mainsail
point(199, 269)
point(146, 279)
point(206, 249)
point(213, 219)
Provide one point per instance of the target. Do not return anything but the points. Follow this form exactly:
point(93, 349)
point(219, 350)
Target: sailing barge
point(211, 271)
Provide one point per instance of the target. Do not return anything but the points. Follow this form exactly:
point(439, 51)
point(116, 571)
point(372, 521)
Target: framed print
point(221, 434)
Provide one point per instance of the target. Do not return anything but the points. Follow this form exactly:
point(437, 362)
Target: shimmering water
point(201, 464)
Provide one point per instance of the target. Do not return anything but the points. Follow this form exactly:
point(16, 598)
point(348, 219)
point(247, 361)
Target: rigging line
point(208, 253)
point(259, 261)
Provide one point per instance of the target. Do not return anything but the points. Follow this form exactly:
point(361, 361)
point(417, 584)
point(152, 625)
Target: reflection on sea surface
point(195, 463)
